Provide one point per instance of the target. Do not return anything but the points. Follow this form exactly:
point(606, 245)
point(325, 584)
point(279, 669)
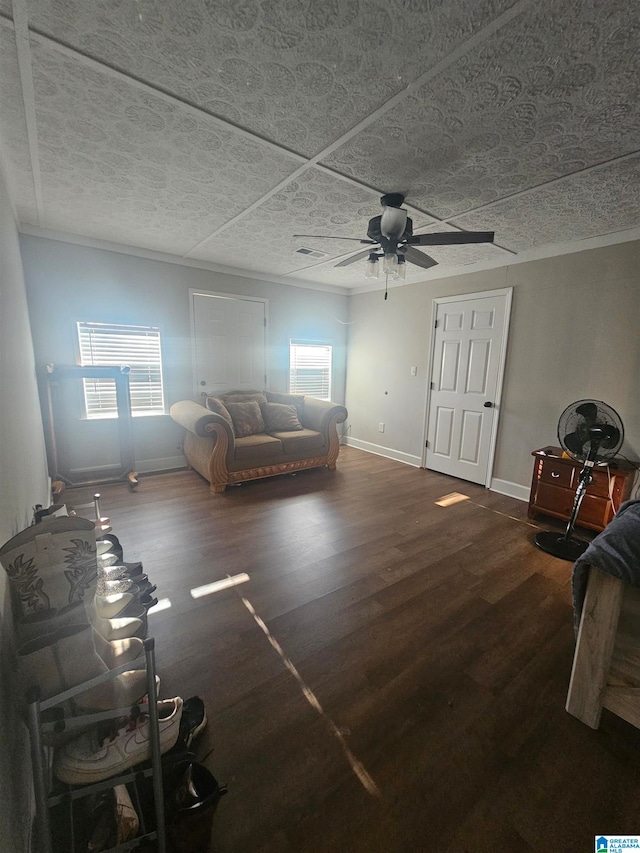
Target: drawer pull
point(555, 475)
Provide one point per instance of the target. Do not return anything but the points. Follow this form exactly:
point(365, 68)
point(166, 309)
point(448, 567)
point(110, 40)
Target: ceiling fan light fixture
point(399, 274)
point(390, 263)
point(373, 267)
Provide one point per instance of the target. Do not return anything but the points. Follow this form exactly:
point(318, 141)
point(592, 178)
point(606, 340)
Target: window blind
point(103, 344)
point(310, 369)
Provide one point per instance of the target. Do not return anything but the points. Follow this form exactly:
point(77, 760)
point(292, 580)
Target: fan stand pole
point(564, 546)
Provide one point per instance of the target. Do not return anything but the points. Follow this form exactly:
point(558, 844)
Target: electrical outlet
point(381, 427)
point(414, 371)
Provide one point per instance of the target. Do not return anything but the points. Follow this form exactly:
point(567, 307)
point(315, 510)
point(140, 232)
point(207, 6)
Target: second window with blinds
point(310, 368)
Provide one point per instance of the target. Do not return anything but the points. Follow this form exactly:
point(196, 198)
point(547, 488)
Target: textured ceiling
point(216, 129)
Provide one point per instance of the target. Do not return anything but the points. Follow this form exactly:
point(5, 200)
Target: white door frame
point(507, 292)
point(198, 292)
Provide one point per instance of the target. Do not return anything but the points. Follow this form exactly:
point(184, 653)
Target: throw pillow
point(215, 404)
point(258, 396)
point(280, 418)
point(246, 417)
point(296, 400)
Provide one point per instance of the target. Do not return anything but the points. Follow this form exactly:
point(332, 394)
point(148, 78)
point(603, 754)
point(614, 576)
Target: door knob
point(488, 405)
point(203, 381)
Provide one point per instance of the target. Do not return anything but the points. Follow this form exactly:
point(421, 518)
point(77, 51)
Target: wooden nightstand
point(554, 484)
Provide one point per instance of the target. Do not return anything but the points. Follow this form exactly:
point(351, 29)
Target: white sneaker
point(91, 758)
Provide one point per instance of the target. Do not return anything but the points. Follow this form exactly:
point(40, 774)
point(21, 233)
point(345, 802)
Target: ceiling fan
point(391, 238)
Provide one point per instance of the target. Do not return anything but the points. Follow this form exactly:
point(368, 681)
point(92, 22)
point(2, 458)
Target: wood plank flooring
point(400, 683)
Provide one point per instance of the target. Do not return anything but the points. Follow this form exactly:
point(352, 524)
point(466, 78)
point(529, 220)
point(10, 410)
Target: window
point(310, 369)
point(136, 346)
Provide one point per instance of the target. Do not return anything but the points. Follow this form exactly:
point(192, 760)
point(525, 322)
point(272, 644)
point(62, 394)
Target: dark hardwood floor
point(392, 677)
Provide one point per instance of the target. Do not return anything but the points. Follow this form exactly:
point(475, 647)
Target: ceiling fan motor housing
point(392, 200)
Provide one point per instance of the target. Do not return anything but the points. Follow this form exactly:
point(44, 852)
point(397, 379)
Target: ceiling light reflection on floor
point(217, 586)
point(163, 604)
point(453, 498)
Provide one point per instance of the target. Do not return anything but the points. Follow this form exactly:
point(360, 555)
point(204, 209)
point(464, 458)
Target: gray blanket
point(616, 551)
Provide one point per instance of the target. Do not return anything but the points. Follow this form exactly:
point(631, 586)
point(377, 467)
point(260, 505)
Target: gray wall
point(67, 282)
point(573, 334)
point(24, 480)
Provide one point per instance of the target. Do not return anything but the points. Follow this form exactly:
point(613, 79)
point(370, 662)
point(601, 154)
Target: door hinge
point(264, 322)
point(426, 444)
point(433, 385)
point(436, 324)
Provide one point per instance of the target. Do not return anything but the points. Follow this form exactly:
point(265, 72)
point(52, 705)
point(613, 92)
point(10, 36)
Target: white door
point(466, 378)
point(228, 344)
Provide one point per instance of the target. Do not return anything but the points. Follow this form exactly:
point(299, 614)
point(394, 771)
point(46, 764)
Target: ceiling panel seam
point(499, 22)
point(25, 70)
point(163, 94)
point(239, 216)
point(305, 163)
point(552, 182)
point(435, 70)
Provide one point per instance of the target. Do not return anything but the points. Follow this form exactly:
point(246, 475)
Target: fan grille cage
point(573, 430)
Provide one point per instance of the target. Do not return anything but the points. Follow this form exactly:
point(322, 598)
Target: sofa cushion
point(246, 417)
point(305, 441)
point(296, 400)
point(257, 396)
point(280, 418)
point(257, 449)
point(215, 404)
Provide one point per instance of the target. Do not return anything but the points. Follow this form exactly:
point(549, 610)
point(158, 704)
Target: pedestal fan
point(591, 432)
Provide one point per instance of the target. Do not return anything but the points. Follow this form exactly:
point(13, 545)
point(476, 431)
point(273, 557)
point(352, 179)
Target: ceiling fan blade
point(352, 260)
point(451, 238)
point(414, 256)
point(334, 237)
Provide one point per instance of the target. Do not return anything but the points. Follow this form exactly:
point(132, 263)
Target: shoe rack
point(49, 795)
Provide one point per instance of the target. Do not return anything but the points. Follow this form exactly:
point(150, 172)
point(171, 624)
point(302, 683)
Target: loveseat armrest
point(319, 414)
point(198, 420)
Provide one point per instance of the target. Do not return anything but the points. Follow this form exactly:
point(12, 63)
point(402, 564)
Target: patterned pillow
point(215, 404)
point(246, 417)
point(280, 418)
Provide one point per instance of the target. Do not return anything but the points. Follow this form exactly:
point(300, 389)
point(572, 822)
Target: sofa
point(246, 435)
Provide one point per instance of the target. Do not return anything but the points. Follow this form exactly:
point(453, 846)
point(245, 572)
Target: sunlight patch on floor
point(452, 498)
point(218, 586)
point(163, 604)
point(357, 766)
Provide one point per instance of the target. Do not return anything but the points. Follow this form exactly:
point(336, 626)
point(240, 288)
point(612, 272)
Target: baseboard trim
point(513, 490)
point(377, 450)
point(503, 487)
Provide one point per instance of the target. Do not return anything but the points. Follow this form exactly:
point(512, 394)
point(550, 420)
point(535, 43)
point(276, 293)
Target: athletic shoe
point(194, 719)
point(95, 756)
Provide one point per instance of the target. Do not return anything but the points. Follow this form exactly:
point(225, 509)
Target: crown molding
point(601, 241)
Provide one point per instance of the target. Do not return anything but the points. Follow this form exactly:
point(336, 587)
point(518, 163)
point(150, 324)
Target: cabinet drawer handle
point(555, 475)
